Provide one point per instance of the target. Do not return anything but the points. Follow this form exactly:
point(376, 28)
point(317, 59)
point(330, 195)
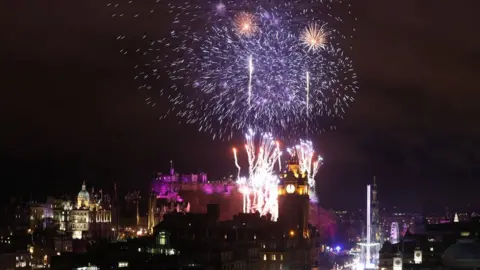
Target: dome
point(83, 197)
point(464, 254)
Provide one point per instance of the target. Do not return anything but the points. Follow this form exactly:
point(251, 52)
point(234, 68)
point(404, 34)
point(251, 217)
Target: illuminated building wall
point(196, 190)
point(90, 216)
point(39, 212)
point(61, 213)
point(78, 223)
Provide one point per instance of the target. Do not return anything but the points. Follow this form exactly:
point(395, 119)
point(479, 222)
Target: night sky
point(70, 110)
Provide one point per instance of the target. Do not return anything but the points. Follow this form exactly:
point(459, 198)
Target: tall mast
point(369, 226)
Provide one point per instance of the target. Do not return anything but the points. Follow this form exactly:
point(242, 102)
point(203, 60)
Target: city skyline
point(79, 117)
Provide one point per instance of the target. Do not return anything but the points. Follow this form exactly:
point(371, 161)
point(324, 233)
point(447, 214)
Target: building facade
point(196, 191)
point(452, 245)
point(90, 216)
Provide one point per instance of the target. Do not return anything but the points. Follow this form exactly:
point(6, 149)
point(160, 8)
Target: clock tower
point(293, 199)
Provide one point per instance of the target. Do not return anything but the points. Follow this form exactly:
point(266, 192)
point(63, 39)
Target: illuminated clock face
point(290, 189)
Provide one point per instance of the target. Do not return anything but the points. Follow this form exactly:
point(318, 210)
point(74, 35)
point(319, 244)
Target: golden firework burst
point(314, 37)
point(245, 24)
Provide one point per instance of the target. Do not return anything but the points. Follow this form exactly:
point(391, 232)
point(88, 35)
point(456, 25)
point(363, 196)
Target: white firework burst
point(314, 36)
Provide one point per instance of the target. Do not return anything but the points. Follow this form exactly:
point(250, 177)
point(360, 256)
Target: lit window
point(281, 257)
point(274, 257)
point(264, 257)
point(162, 239)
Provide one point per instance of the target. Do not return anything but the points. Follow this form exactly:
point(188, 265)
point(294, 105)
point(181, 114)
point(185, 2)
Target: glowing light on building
point(394, 233)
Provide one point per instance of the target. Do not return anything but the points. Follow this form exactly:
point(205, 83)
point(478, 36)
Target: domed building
point(92, 216)
point(83, 198)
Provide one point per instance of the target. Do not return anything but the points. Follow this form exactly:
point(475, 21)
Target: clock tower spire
point(293, 199)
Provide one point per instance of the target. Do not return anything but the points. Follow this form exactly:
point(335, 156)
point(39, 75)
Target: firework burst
point(314, 37)
point(245, 24)
point(231, 65)
point(260, 187)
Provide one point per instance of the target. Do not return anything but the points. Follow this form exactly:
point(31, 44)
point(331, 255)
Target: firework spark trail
point(260, 188)
point(308, 90)
point(308, 162)
point(279, 156)
point(236, 162)
point(204, 54)
point(250, 73)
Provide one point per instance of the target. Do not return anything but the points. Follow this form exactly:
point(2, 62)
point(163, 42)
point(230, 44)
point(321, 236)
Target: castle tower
point(376, 230)
point(293, 199)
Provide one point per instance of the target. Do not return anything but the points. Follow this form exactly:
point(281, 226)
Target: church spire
point(294, 164)
point(294, 158)
point(376, 228)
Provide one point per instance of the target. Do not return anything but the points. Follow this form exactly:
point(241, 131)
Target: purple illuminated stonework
point(196, 190)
